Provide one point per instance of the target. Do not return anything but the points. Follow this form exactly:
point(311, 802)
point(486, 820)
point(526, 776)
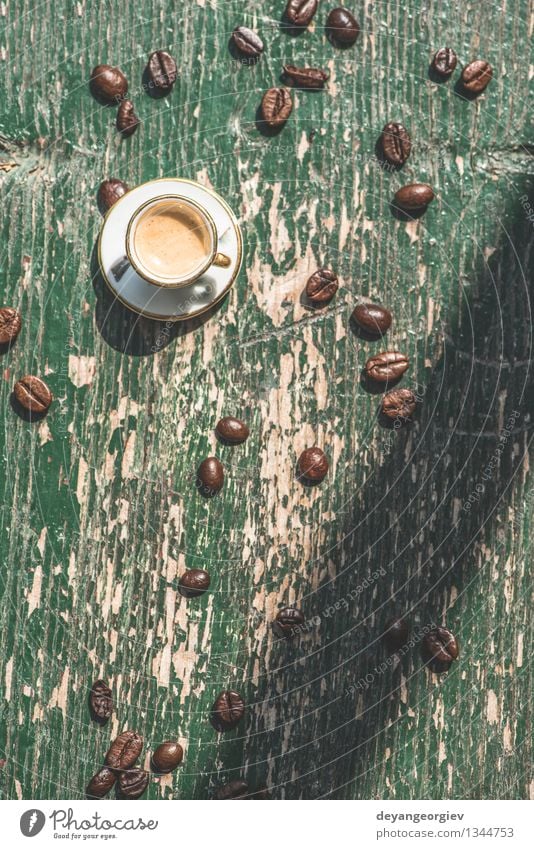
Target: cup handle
point(222, 261)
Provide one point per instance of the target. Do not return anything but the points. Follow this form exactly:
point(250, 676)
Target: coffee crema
point(172, 240)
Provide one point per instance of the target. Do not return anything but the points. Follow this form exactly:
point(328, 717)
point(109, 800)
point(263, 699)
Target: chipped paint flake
point(34, 598)
point(7, 679)
point(492, 708)
point(59, 697)
point(519, 658)
point(81, 370)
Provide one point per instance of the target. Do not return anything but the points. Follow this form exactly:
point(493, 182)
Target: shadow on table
point(130, 333)
point(322, 708)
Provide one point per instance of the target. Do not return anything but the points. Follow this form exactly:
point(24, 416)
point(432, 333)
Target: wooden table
point(100, 514)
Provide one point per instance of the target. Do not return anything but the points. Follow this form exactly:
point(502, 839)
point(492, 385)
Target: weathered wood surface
point(99, 509)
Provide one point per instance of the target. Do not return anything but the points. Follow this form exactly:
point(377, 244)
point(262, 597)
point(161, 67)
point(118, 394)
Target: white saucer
point(168, 304)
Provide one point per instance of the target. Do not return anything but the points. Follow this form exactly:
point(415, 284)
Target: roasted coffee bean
point(232, 430)
point(276, 106)
point(306, 77)
point(227, 711)
point(288, 621)
point(247, 42)
point(300, 12)
point(167, 756)
point(33, 394)
point(342, 26)
point(161, 70)
point(124, 751)
point(396, 144)
point(108, 83)
point(414, 196)
point(101, 783)
point(313, 465)
point(372, 318)
point(439, 648)
point(396, 634)
point(210, 476)
point(236, 789)
point(127, 120)
point(133, 783)
point(476, 76)
point(194, 582)
point(101, 701)
point(399, 404)
point(389, 365)
point(109, 192)
point(10, 324)
point(444, 62)
point(321, 286)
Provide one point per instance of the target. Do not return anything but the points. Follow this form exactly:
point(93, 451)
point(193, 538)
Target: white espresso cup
point(171, 241)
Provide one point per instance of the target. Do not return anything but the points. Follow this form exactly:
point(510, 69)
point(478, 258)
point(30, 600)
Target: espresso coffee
point(172, 240)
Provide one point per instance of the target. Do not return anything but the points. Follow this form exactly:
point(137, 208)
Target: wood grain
point(100, 514)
